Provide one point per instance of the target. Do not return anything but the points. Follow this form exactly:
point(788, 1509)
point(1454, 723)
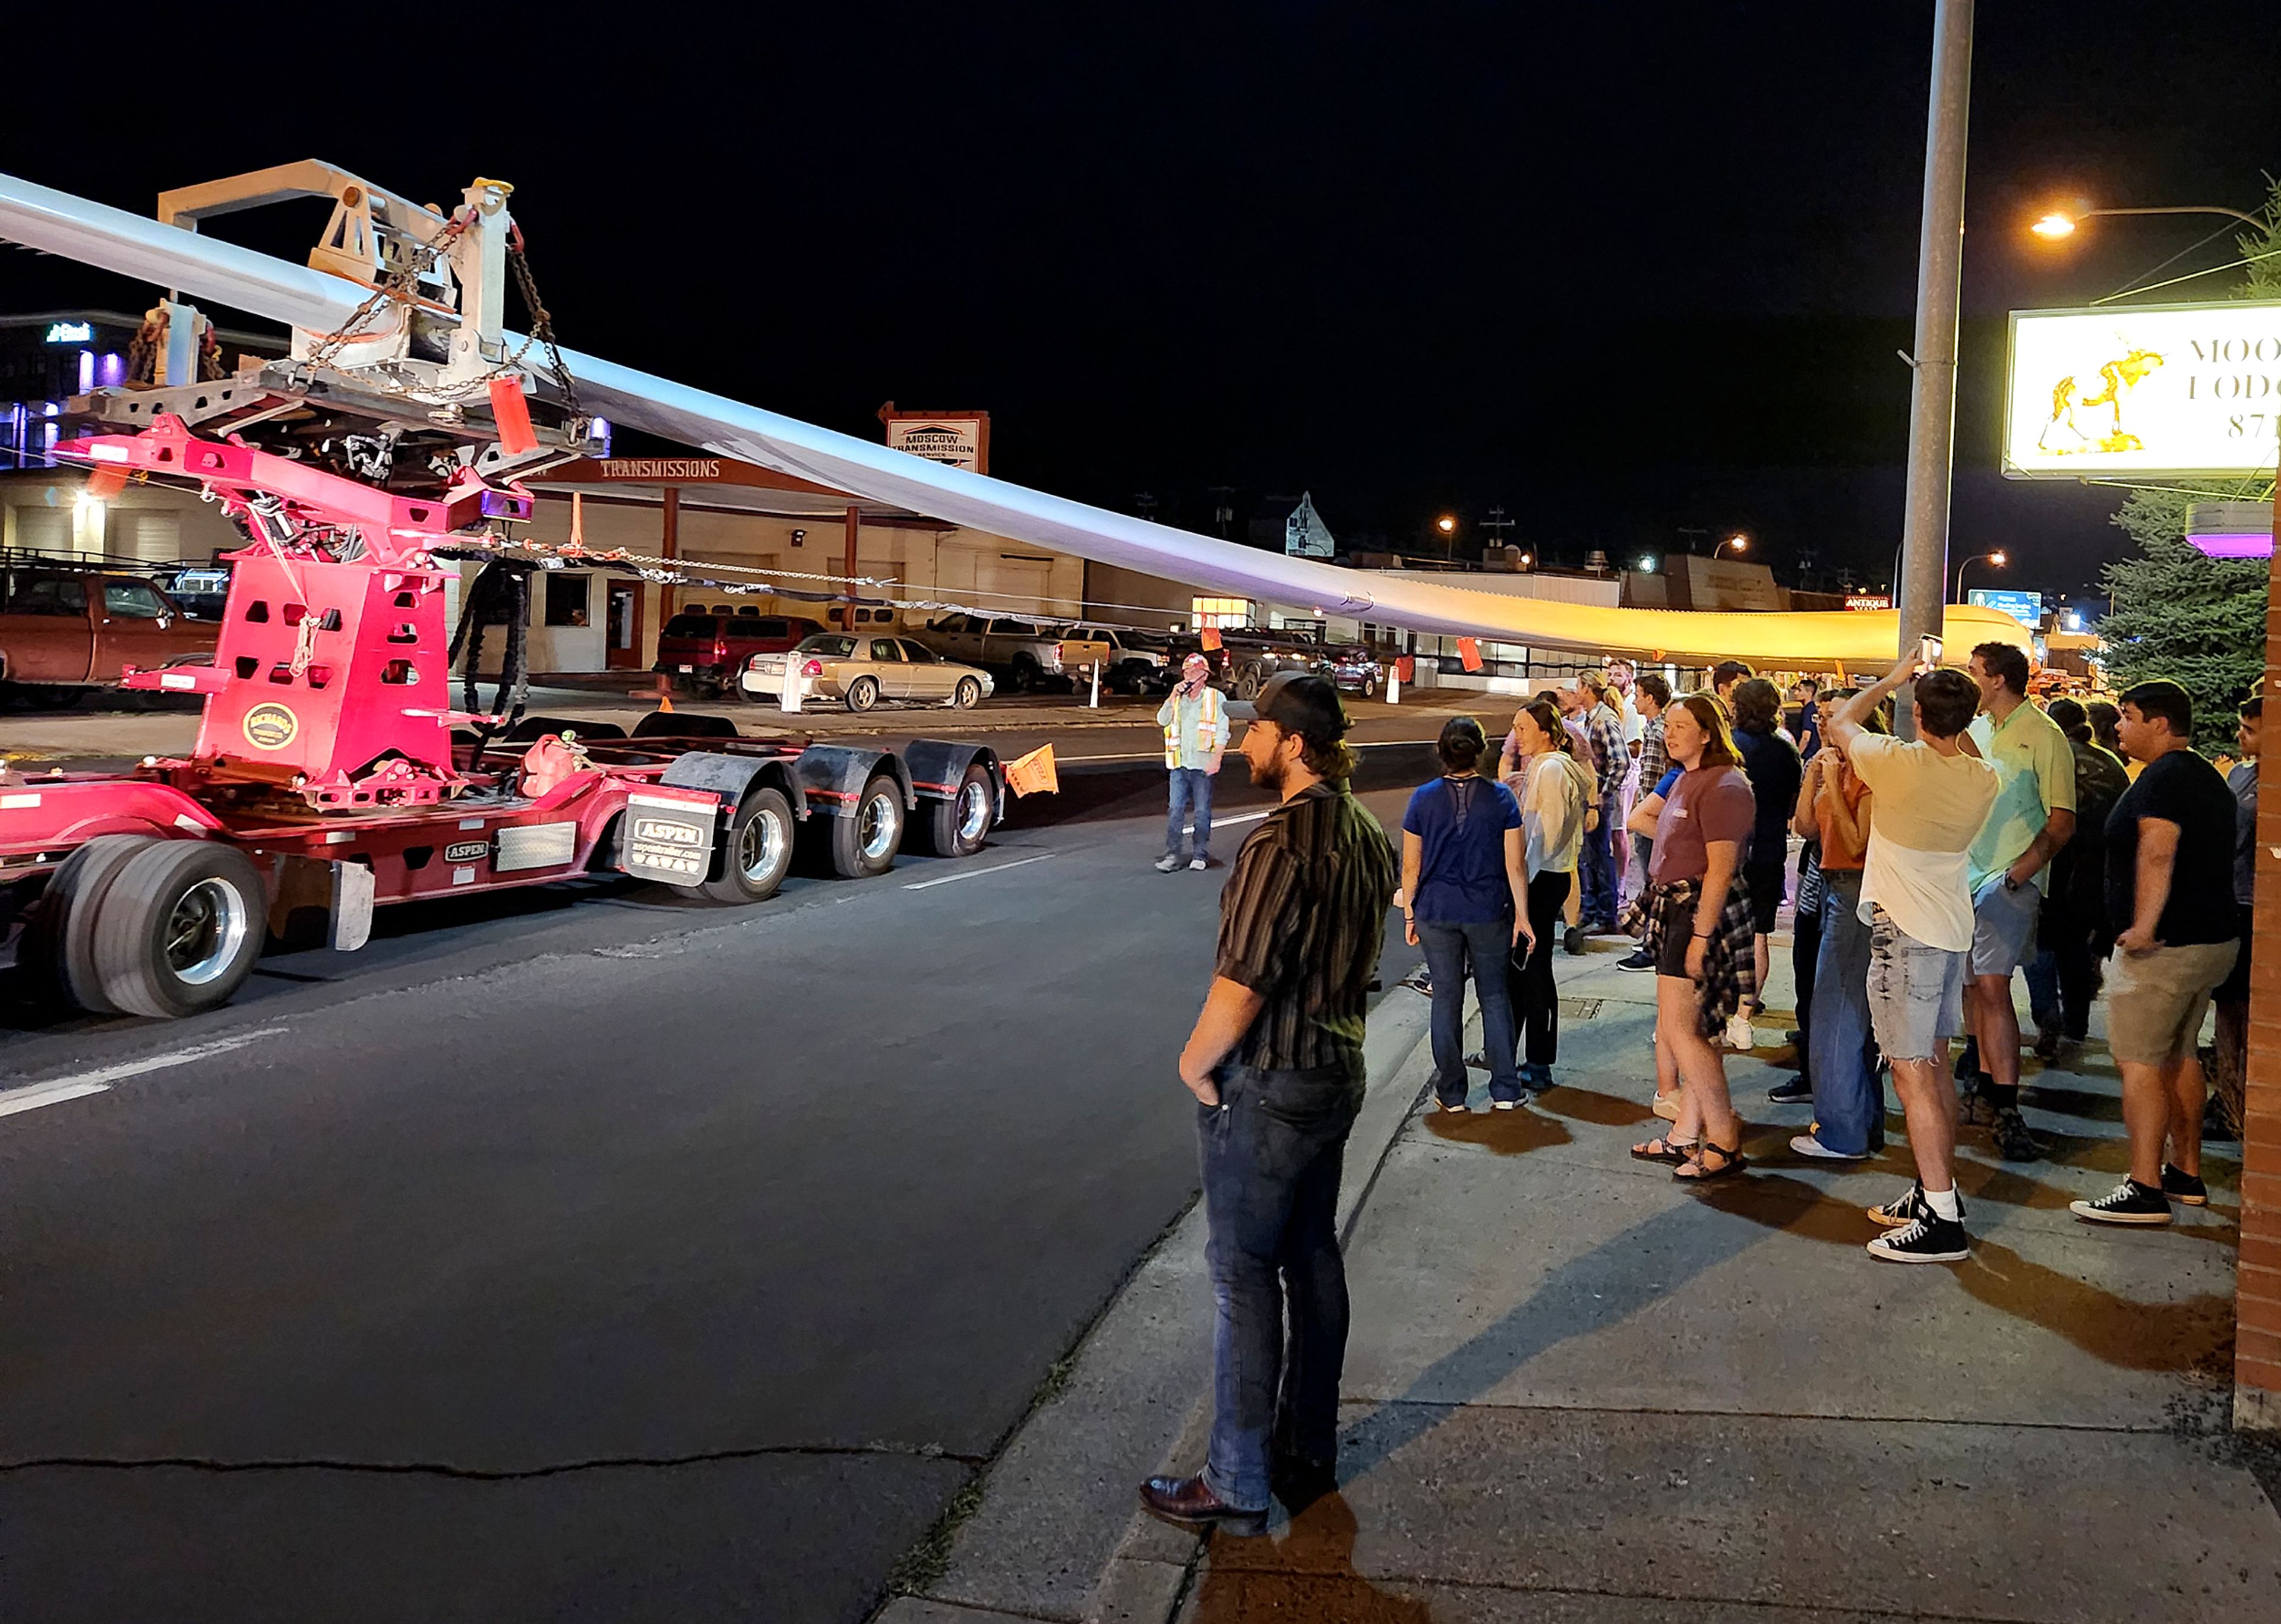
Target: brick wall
point(2257, 1358)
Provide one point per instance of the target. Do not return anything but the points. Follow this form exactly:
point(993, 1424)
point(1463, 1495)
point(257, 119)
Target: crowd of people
point(2003, 839)
point(2075, 843)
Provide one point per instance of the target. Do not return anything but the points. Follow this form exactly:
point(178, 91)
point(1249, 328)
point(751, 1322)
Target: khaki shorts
point(2155, 1001)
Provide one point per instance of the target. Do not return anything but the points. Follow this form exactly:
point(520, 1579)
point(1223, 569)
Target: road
point(586, 1253)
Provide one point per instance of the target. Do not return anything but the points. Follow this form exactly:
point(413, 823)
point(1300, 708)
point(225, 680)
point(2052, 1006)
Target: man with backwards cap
point(1275, 1064)
point(1195, 720)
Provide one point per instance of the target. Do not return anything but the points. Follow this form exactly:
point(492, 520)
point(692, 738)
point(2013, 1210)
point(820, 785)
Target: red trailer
point(327, 778)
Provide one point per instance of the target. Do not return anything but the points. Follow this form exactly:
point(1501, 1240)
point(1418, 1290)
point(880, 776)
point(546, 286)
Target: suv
point(1138, 662)
point(706, 649)
point(66, 626)
point(1030, 656)
point(1255, 656)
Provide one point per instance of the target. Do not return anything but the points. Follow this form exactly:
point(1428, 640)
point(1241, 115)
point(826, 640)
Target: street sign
point(2026, 608)
point(2163, 391)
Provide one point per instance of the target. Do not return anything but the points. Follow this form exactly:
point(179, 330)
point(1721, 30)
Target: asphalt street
point(586, 1253)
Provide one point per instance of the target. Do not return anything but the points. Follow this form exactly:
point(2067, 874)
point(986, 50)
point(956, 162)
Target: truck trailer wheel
point(180, 928)
point(58, 945)
point(960, 826)
point(757, 851)
point(866, 844)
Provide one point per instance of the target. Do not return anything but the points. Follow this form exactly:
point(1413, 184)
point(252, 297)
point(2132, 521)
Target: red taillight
point(814, 667)
point(720, 648)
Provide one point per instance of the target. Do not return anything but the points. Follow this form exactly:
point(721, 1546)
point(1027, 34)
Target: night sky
point(1623, 270)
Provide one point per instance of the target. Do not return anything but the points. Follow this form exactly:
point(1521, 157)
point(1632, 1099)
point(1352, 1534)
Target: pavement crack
point(485, 1475)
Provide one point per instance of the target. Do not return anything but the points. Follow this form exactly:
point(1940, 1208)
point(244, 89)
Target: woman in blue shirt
point(1464, 899)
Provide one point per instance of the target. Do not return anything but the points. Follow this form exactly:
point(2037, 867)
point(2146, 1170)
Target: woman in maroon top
point(1697, 913)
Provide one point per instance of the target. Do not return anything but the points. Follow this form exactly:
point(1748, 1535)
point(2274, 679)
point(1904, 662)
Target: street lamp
point(1741, 544)
point(1996, 559)
point(2059, 224)
point(1447, 524)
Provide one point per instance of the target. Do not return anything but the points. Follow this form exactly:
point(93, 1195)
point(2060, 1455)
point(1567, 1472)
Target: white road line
point(1247, 817)
point(56, 1091)
point(951, 879)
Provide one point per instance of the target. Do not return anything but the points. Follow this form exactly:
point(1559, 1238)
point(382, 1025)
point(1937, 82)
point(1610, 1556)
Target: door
point(929, 677)
point(623, 632)
point(134, 626)
point(46, 635)
point(887, 664)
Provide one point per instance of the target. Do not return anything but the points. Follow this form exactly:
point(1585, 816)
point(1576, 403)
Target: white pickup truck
point(1029, 655)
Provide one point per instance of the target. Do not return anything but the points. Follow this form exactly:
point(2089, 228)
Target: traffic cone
point(665, 703)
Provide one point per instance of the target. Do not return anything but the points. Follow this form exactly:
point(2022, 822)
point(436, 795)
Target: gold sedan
point(862, 670)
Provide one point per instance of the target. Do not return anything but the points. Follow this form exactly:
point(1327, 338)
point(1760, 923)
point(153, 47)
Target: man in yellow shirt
point(2031, 820)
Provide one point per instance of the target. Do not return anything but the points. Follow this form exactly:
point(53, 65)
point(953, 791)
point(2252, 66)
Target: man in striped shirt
point(1275, 1064)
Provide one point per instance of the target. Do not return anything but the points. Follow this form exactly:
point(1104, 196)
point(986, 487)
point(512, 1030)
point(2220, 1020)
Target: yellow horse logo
point(2119, 377)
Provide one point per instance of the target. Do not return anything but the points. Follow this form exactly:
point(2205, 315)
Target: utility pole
point(1932, 399)
point(1496, 525)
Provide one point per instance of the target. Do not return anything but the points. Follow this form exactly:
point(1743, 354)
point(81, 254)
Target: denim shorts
point(2004, 927)
point(1916, 993)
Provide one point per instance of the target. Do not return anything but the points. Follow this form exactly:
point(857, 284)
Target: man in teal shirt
point(2031, 820)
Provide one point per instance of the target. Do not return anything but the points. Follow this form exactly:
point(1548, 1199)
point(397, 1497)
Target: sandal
point(1730, 1162)
point(1670, 1151)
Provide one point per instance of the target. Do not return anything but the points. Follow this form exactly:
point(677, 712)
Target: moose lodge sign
point(2163, 391)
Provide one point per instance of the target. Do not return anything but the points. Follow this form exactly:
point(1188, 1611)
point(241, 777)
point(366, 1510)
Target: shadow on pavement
point(1308, 1573)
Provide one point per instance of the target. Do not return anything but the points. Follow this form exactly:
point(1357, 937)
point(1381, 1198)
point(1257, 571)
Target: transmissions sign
point(2163, 391)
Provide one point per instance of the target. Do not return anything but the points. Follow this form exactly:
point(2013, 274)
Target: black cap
point(1298, 702)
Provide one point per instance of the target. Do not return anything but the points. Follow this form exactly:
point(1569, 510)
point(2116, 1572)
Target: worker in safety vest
point(1194, 719)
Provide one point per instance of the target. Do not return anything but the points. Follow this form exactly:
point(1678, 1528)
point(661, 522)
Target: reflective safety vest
point(1208, 733)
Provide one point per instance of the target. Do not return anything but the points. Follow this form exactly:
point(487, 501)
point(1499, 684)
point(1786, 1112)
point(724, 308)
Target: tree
point(2179, 614)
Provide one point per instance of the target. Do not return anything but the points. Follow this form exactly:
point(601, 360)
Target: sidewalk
point(1579, 1390)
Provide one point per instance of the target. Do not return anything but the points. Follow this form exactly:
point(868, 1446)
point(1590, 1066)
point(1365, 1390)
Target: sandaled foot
point(1670, 1151)
point(1710, 1161)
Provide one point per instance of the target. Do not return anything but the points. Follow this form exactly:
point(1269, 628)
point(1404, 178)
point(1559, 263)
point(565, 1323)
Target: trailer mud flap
point(669, 837)
point(353, 895)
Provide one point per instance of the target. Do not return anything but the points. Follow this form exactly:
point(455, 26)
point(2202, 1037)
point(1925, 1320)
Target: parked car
point(1138, 662)
point(202, 590)
point(63, 626)
point(706, 649)
point(1254, 657)
point(863, 670)
point(1029, 655)
point(1355, 669)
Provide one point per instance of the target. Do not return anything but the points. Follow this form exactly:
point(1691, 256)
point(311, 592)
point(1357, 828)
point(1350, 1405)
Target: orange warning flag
point(1211, 636)
point(1034, 774)
point(1469, 653)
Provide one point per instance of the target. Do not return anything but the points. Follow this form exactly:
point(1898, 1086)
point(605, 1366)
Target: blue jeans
point(1191, 786)
point(1448, 948)
point(1597, 870)
point(1849, 1103)
point(1271, 1152)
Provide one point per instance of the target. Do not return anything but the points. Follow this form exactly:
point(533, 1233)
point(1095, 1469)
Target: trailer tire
point(960, 826)
point(58, 945)
point(180, 928)
point(865, 844)
point(756, 850)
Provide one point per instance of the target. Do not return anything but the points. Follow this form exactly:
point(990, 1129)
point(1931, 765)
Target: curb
point(1054, 1535)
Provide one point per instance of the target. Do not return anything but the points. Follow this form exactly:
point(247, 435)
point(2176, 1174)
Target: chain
point(399, 286)
point(542, 324)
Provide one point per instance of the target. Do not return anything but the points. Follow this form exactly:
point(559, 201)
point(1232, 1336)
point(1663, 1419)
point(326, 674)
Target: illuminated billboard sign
point(2026, 608)
point(70, 332)
point(2151, 392)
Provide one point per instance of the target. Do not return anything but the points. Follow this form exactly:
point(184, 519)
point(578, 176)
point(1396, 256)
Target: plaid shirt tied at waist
point(1730, 966)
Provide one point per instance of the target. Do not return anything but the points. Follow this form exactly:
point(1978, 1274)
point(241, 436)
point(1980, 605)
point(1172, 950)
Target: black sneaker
point(2128, 1203)
point(2014, 1142)
point(1931, 1238)
point(1573, 940)
point(1908, 1208)
point(1638, 958)
point(1797, 1090)
point(1967, 1060)
point(2184, 1186)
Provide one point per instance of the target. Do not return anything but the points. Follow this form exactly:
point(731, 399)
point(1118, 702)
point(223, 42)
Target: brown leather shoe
point(1190, 1503)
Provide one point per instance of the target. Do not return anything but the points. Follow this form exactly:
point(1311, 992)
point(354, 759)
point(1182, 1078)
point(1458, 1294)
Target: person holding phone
point(1465, 900)
point(1933, 796)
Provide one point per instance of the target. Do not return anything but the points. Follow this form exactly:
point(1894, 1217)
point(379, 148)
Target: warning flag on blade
point(1034, 774)
point(1469, 653)
point(1211, 636)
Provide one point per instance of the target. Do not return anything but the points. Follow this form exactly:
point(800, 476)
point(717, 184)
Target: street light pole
point(1932, 397)
point(1995, 558)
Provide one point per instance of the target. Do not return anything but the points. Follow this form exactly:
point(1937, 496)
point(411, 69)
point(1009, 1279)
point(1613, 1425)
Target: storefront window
point(569, 599)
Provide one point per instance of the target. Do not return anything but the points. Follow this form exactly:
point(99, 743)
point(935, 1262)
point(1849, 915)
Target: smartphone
point(1929, 651)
